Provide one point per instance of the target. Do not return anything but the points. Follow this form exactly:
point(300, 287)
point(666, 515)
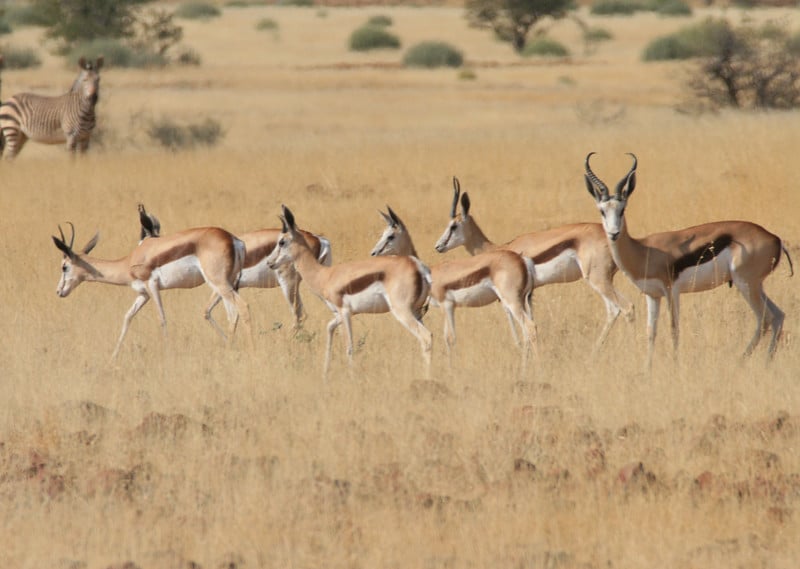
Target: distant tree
point(73, 21)
point(751, 67)
point(511, 20)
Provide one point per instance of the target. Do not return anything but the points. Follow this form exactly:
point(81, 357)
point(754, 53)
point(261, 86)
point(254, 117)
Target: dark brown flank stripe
point(361, 283)
point(164, 257)
point(469, 280)
point(701, 255)
point(554, 251)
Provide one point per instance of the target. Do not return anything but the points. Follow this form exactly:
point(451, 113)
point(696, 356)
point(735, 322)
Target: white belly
point(183, 273)
point(480, 294)
point(564, 268)
point(259, 276)
point(371, 300)
point(651, 287)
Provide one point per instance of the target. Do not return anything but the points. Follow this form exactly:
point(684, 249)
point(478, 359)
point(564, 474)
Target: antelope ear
point(465, 204)
point(386, 218)
point(63, 247)
point(396, 220)
point(284, 226)
point(289, 218)
point(92, 242)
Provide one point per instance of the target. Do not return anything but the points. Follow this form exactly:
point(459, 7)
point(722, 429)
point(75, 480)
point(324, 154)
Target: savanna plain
point(186, 453)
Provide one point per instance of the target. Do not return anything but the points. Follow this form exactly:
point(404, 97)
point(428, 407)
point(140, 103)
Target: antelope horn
point(596, 182)
point(621, 184)
point(456, 193)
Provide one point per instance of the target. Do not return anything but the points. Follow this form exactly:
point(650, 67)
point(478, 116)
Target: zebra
point(66, 118)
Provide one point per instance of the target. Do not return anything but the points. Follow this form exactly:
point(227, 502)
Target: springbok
point(695, 259)
point(183, 260)
point(256, 273)
point(560, 255)
point(66, 118)
point(399, 285)
point(472, 282)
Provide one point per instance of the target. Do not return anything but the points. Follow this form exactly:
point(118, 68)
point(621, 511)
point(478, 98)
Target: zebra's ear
point(82, 63)
point(99, 63)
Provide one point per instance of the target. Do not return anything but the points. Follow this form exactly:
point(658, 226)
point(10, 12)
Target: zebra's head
point(74, 268)
point(87, 84)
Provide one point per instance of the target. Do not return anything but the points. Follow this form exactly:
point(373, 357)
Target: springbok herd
point(661, 265)
point(393, 279)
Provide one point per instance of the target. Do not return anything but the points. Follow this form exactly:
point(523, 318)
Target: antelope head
point(611, 207)
point(455, 233)
point(285, 251)
point(74, 268)
point(395, 239)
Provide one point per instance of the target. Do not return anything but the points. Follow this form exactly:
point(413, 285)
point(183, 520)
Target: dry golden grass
point(186, 452)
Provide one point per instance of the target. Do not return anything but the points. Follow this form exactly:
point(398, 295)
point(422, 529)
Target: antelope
point(473, 282)
point(694, 259)
point(399, 285)
point(66, 118)
point(256, 273)
point(183, 260)
point(560, 255)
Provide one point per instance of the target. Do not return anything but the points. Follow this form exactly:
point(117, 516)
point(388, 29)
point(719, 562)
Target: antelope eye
point(390, 238)
point(64, 268)
point(282, 243)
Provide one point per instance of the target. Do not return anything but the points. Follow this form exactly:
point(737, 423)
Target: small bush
point(5, 27)
point(20, 58)
point(615, 7)
point(188, 56)
point(380, 20)
point(597, 35)
point(116, 54)
point(246, 3)
point(666, 48)
point(544, 47)
point(301, 3)
point(267, 24)
point(793, 44)
point(19, 15)
point(433, 54)
point(173, 136)
point(467, 74)
point(371, 37)
point(197, 11)
point(671, 8)
point(707, 38)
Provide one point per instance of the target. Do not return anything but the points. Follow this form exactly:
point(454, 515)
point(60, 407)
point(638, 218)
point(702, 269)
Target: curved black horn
point(596, 182)
point(72, 237)
point(456, 193)
point(629, 179)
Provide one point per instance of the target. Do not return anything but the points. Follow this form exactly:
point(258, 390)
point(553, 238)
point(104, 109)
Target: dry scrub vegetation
point(187, 454)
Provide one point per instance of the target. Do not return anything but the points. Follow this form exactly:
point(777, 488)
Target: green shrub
point(467, 74)
point(267, 24)
point(666, 48)
point(380, 20)
point(615, 7)
point(597, 34)
point(670, 8)
point(173, 136)
point(544, 47)
point(433, 54)
point(197, 11)
point(20, 57)
point(371, 37)
point(707, 38)
point(301, 3)
point(27, 15)
point(188, 56)
point(5, 27)
point(116, 54)
point(246, 3)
